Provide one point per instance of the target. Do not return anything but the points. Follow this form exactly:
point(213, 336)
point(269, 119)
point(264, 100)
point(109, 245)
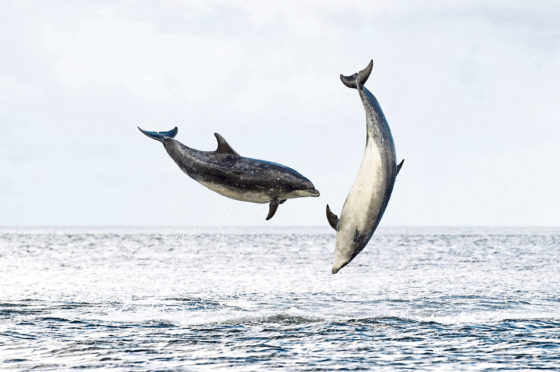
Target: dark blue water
point(251, 299)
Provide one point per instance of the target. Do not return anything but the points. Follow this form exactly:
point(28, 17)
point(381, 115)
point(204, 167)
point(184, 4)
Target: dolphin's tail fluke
point(357, 80)
point(160, 136)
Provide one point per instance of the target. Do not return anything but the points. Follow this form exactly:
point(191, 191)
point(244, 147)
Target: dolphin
point(372, 188)
point(230, 174)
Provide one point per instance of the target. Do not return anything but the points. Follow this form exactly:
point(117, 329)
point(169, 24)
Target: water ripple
point(189, 300)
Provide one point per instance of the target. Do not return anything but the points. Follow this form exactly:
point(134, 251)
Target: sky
point(469, 88)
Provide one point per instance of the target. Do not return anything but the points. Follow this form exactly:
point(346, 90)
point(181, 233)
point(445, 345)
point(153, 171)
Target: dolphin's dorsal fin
point(274, 203)
point(332, 218)
point(400, 166)
point(223, 146)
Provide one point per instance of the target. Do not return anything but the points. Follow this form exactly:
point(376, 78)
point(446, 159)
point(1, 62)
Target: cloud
point(468, 88)
point(110, 52)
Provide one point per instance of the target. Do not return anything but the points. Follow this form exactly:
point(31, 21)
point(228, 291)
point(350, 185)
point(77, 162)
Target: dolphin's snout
point(339, 261)
point(315, 192)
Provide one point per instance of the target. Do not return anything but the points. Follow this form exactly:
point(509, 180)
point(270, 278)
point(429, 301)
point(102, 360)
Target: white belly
point(365, 199)
point(230, 192)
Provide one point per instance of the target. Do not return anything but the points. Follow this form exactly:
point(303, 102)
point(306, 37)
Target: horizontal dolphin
point(230, 174)
point(372, 188)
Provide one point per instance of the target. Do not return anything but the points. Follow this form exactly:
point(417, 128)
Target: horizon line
point(263, 226)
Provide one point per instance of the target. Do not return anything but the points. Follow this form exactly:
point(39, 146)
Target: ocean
point(264, 298)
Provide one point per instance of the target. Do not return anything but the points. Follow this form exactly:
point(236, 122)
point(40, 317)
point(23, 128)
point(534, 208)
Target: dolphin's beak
point(337, 266)
point(314, 192)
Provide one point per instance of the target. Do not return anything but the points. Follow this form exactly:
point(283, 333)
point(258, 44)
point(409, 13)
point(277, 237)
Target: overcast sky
point(469, 88)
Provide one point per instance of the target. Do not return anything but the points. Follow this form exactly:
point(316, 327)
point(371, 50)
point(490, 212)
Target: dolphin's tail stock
point(358, 79)
point(160, 136)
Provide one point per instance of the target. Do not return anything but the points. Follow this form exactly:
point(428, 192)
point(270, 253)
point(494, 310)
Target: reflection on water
point(263, 298)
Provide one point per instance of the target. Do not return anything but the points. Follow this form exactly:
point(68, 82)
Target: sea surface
point(264, 298)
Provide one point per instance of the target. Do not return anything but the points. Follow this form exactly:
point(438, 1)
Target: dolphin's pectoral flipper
point(332, 218)
point(358, 79)
point(272, 208)
point(399, 166)
point(159, 136)
point(282, 201)
point(223, 146)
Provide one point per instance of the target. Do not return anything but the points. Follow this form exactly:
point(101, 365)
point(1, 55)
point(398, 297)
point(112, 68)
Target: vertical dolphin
point(372, 188)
